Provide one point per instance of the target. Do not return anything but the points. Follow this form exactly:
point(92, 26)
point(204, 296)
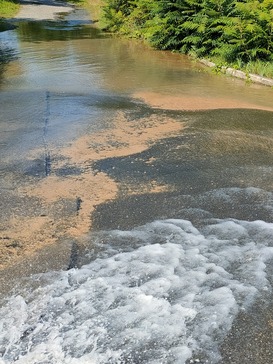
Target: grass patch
point(264, 69)
point(8, 8)
point(260, 68)
point(94, 8)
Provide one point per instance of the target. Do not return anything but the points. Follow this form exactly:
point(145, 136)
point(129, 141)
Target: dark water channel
point(183, 276)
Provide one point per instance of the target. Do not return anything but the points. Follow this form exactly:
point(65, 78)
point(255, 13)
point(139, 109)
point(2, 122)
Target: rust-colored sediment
point(194, 103)
point(24, 235)
point(29, 233)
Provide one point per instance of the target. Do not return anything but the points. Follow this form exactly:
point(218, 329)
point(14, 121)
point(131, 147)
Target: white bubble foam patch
point(158, 303)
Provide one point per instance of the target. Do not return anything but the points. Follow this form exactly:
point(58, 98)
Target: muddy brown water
point(100, 133)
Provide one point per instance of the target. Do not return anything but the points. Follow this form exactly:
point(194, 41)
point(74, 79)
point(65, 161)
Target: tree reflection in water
point(7, 53)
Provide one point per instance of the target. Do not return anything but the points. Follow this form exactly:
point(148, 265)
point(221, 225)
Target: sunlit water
point(166, 291)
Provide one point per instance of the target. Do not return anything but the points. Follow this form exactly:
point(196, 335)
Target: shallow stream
point(165, 274)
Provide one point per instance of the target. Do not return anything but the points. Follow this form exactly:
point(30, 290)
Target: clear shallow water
point(170, 288)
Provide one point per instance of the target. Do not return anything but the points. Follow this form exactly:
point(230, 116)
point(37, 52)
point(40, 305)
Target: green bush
point(230, 30)
point(8, 8)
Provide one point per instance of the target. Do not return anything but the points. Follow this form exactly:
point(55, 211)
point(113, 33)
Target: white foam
point(158, 303)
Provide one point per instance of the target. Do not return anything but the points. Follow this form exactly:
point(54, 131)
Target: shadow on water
point(46, 2)
point(4, 26)
point(56, 30)
point(7, 54)
point(73, 25)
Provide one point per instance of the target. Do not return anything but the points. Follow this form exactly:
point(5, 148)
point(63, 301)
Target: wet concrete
point(216, 151)
point(59, 256)
point(42, 9)
point(81, 151)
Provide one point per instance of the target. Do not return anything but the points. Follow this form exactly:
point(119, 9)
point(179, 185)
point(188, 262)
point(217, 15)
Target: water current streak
point(45, 129)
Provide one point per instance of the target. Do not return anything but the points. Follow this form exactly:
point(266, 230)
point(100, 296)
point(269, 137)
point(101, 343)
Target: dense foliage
point(231, 30)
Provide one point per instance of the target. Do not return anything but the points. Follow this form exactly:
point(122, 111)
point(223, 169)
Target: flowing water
point(165, 275)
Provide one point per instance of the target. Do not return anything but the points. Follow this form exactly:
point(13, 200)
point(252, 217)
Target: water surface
point(164, 273)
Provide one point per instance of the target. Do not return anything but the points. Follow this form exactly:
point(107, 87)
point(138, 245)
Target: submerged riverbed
point(136, 203)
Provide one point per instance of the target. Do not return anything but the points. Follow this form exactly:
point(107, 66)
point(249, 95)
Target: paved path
point(42, 9)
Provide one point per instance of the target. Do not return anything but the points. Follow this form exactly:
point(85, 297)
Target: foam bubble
point(155, 303)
